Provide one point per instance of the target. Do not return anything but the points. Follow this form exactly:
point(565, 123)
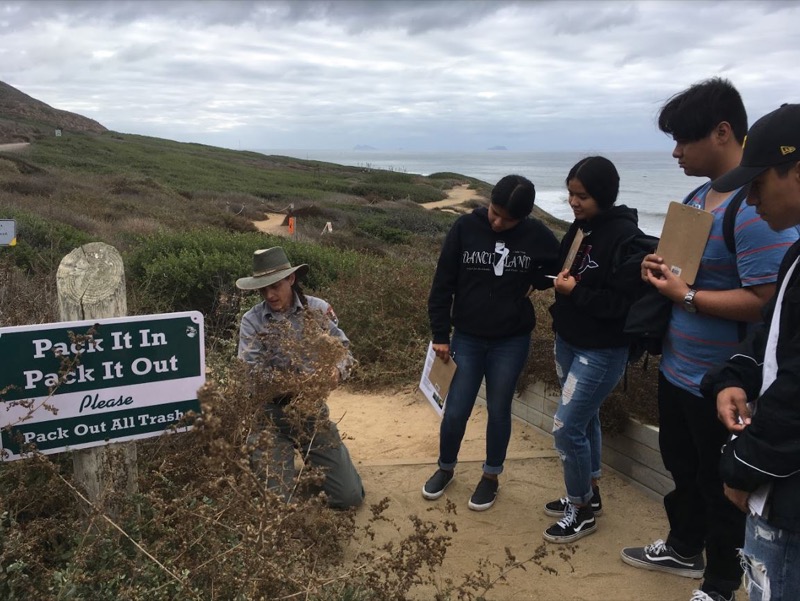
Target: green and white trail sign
point(74, 385)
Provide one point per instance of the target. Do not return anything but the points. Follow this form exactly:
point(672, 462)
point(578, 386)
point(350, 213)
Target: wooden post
point(91, 285)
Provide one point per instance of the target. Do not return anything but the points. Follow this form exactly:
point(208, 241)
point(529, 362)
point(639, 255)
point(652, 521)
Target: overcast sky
point(417, 75)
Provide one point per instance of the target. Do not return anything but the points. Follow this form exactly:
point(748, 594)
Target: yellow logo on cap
point(787, 150)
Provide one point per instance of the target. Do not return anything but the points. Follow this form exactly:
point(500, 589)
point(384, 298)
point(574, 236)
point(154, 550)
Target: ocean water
point(648, 180)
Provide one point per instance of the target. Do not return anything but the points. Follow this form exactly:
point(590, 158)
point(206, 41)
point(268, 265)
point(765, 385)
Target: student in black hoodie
point(490, 262)
point(591, 303)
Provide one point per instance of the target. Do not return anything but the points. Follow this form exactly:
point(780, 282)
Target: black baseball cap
point(772, 140)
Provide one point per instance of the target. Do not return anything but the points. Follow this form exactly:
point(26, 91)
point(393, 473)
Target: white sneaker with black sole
point(661, 557)
point(576, 523)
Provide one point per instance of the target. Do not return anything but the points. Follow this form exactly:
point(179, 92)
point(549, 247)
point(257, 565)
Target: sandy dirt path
point(14, 146)
point(394, 441)
point(273, 224)
point(455, 197)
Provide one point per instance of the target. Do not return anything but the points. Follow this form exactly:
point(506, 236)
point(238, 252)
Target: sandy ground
point(273, 224)
point(394, 441)
point(455, 197)
point(14, 146)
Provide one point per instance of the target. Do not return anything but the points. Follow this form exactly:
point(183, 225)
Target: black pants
point(690, 438)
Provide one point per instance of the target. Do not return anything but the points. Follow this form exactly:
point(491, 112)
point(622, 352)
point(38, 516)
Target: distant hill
point(498, 148)
point(23, 118)
point(364, 147)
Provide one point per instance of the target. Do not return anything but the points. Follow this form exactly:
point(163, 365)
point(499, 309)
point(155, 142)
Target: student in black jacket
point(490, 262)
point(592, 300)
point(757, 390)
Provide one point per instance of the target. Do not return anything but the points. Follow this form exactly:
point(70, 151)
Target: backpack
point(648, 318)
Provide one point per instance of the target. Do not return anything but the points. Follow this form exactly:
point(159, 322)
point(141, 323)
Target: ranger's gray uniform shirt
point(257, 319)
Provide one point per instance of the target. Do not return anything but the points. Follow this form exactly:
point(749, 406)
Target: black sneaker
point(576, 523)
point(661, 557)
point(484, 495)
point(558, 507)
point(713, 596)
point(434, 487)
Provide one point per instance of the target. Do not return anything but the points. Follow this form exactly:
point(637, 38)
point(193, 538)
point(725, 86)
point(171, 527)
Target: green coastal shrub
point(397, 191)
point(42, 242)
point(190, 270)
point(384, 232)
point(383, 309)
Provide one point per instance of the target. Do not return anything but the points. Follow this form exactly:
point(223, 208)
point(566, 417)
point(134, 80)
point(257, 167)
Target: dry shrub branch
point(204, 524)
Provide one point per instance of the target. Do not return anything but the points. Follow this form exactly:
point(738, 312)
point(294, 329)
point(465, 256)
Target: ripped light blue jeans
point(587, 376)
point(771, 557)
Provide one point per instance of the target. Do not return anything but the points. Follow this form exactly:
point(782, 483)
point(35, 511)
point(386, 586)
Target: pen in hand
point(552, 277)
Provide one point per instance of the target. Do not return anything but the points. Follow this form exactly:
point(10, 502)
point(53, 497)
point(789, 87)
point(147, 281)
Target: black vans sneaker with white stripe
point(661, 557)
point(576, 523)
point(556, 508)
point(713, 596)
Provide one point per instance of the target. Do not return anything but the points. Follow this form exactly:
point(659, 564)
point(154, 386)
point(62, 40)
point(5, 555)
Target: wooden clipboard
point(573, 249)
point(684, 239)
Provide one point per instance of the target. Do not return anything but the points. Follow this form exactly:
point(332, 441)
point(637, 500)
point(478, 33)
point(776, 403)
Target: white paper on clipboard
point(435, 380)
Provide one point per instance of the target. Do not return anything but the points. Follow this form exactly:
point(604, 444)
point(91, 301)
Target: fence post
point(91, 285)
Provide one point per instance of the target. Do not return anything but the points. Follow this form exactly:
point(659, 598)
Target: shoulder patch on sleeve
point(332, 315)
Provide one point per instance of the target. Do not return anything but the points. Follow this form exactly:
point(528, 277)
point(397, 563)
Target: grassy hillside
point(182, 217)
point(23, 118)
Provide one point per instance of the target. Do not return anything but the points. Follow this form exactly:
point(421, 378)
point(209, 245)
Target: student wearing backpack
point(708, 123)
point(591, 302)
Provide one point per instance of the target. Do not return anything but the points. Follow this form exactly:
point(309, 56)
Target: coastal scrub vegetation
point(182, 217)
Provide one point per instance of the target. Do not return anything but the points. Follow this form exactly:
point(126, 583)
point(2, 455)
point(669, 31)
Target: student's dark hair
point(694, 113)
point(599, 177)
point(515, 194)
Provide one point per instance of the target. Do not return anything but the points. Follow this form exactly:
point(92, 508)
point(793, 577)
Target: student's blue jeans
point(771, 557)
point(587, 376)
point(500, 361)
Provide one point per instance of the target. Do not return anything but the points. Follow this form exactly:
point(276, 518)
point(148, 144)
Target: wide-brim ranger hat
point(772, 140)
point(270, 265)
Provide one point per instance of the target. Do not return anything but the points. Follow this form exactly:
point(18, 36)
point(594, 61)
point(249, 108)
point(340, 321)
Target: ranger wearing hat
point(283, 300)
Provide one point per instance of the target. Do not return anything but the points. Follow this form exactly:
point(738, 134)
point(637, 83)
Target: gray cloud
point(413, 74)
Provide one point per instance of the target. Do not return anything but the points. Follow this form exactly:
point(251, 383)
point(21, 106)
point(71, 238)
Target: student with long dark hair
point(490, 261)
point(591, 351)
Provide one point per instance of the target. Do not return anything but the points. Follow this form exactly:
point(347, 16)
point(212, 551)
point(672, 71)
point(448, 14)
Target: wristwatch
point(688, 301)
